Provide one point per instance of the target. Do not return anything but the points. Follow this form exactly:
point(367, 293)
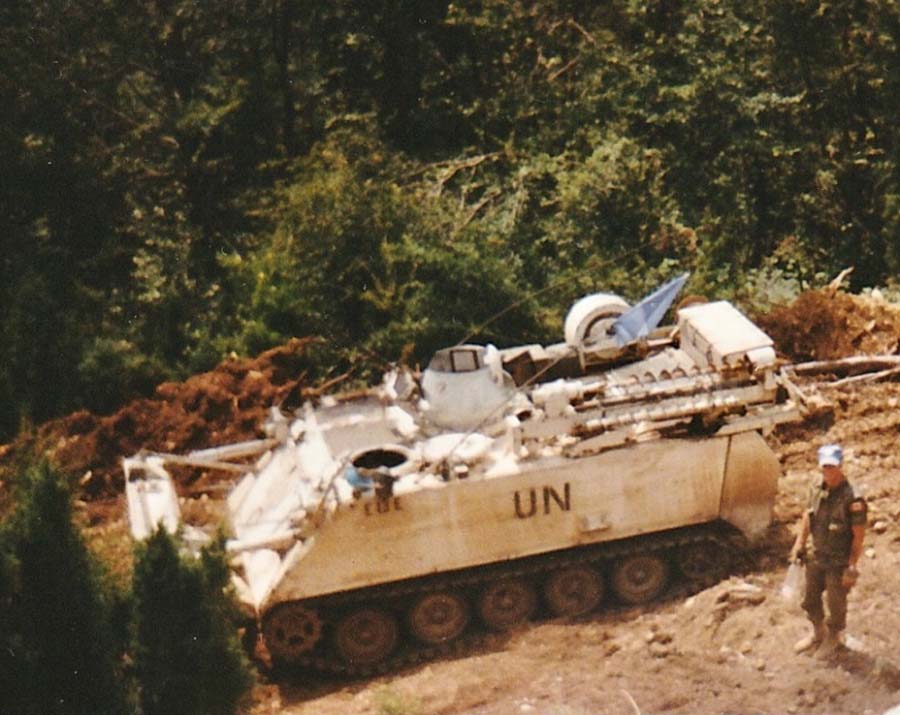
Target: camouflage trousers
point(826, 579)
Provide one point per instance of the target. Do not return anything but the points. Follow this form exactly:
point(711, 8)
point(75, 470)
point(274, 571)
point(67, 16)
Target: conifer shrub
point(188, 657)
point(60, 654)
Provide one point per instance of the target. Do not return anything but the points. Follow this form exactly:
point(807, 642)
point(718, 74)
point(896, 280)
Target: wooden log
point(854, 365)
point(866, 377)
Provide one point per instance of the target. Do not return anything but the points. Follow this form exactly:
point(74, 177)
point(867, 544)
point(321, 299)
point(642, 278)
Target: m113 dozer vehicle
point(372, 528)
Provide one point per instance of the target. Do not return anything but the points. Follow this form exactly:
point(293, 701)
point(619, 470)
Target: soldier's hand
point(850, 577)
point(797, 554)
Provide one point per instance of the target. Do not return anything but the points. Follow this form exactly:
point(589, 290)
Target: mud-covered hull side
point(642, 489)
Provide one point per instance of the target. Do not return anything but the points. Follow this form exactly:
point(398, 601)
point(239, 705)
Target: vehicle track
point(397, 597)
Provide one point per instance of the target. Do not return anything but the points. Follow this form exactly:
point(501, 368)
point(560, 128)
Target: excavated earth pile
point(827, 324)
point(224, 405)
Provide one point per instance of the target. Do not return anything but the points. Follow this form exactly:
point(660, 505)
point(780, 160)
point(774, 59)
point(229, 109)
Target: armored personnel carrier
point(371, 528)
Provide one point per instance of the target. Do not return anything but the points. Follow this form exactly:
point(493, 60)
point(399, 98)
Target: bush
point(60, 654)
point(112, 371)
point(188, 657)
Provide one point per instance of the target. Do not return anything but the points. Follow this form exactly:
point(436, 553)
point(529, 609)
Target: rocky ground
point(724, 650)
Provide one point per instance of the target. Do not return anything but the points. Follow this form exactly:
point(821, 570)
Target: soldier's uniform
point(832, 513)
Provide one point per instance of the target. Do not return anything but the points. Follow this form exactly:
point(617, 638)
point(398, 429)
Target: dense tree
point(11, 667)
point(401, 270)
point(60, 654)
point(180, 180)
point(187, 655)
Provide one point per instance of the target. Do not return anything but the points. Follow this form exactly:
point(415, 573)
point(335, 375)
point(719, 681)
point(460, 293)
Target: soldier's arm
point(856, 546)
point(858, 517)
point(858, 512)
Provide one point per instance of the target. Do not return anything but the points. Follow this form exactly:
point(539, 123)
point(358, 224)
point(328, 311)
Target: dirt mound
point(224, 405)
point(827, 324)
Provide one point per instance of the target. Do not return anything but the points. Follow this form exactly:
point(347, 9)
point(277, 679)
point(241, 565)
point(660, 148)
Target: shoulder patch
point(857, 512)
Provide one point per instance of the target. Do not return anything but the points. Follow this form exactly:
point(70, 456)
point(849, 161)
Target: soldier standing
point(836, 519)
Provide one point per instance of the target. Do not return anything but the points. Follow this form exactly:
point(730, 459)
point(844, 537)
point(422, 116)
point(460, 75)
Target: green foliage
point(374, 267)
point(113, 370)
point(187, 655)
point(60, 652)
point(65, 628)
point(190, 180)
point(11, 666)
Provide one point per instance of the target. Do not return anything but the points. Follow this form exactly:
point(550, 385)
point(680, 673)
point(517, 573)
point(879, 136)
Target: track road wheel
point(291, 630)
point(640, 578)
point(366, 636)
point(573, 591)
point(507, 603)
point(438, 617)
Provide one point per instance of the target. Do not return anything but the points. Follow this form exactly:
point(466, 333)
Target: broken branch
point(565, 68)
point(867, 377)
point(855, 365)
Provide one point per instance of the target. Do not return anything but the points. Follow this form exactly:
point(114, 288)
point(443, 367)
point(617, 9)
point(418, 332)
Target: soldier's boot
point(831, 644)
point(813, 640)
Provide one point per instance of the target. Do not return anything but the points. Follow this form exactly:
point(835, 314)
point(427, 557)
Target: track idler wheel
point(507, 603)
point(640, 578)
point(573, 591)
point(438, 617)
point(366, 636)
point(291, 630)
